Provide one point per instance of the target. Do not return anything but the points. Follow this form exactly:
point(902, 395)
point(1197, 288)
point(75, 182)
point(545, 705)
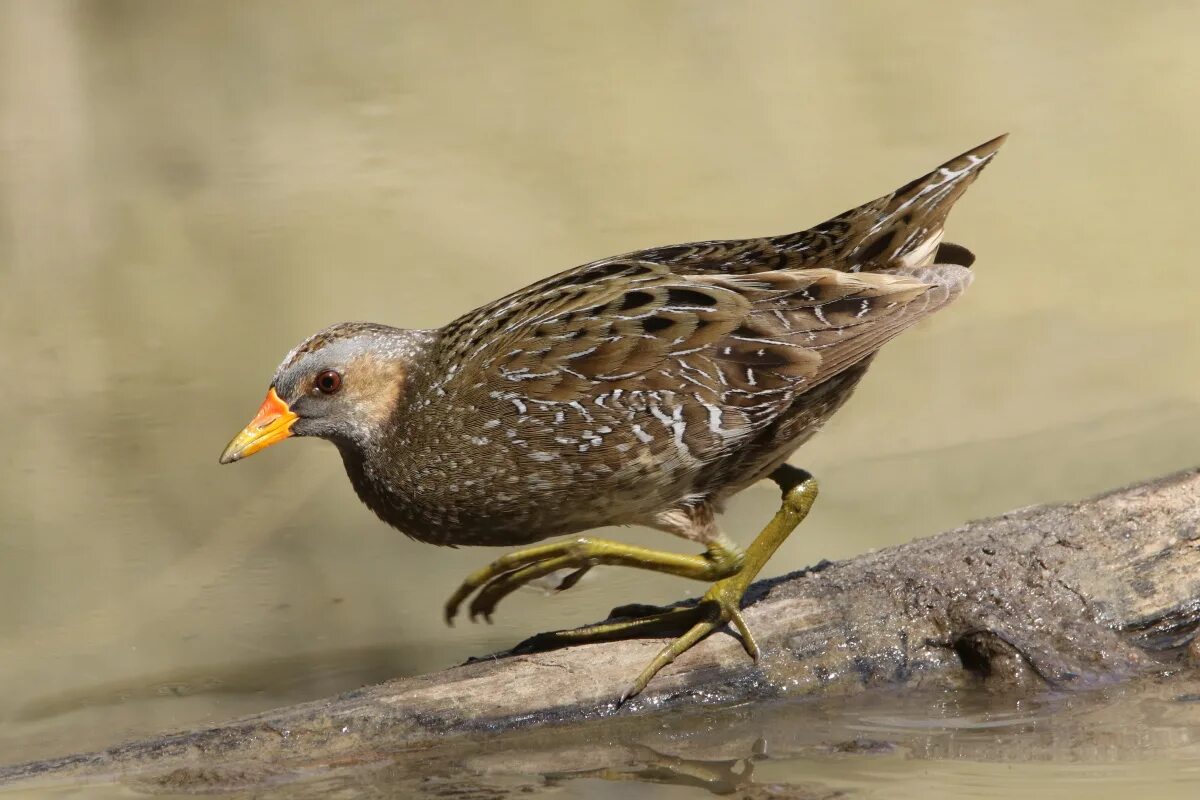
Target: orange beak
point(273, 423)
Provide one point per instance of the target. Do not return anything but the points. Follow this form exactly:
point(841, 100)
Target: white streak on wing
point(690, 379)
point(674, 423)
point(714, 417)
point(665, 419)
point(522, 375)
point(923, 253)
point(581, 353)
point(679, 426)
point(763, 339)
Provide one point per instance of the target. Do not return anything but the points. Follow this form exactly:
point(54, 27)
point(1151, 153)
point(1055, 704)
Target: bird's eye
point(328, 381)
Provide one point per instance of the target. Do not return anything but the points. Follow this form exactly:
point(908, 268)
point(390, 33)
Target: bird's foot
point(508, 573)
point(720, 605)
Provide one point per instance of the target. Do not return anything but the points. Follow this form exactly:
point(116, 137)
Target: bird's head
point(342, 384)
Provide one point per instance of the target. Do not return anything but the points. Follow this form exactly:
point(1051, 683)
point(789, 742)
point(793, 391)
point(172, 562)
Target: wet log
point(1066, 596)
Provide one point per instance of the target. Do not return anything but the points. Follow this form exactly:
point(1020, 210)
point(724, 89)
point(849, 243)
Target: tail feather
point(895, 233)
point(903, 230)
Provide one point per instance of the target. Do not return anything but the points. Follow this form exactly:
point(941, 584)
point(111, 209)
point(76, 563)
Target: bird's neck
point(374, 462)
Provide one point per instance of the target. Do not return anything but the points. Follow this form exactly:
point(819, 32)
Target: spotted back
point(708, 359)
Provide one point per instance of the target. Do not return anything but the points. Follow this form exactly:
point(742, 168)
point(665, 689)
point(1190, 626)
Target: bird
point(641, 389)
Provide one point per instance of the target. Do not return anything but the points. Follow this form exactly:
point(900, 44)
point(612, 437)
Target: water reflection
point(650, 766)
point(1105, 743)
point(965, 742)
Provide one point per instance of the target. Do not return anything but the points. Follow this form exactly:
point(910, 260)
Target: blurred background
point(188, 189)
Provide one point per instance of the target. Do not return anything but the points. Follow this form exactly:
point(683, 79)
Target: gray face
point(342, 389)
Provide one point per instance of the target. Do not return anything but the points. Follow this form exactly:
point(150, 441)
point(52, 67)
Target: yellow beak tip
point(272, 424)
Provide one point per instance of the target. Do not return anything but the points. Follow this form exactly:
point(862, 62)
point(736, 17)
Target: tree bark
point(1075, 595)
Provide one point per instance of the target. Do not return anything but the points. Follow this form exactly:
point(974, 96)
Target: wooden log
point(1067, 596)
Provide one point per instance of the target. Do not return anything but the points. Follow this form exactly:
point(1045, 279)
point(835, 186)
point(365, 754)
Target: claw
point(747, 637)
point(571, 579)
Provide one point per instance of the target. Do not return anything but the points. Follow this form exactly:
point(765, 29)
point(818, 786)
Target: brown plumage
point(641, 389)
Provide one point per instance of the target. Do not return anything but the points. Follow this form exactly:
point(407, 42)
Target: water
point(188, 189)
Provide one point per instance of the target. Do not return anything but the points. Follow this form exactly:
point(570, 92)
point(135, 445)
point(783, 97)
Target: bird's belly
point(497, 523)
point(519, 504)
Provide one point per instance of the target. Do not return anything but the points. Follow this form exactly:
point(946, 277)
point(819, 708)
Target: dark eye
point(328, 381)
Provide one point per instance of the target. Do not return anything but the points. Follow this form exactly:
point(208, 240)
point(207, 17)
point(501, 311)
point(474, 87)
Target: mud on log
point(1059, 596)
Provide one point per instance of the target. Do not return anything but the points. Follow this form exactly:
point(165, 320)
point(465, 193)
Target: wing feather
point(742, 344)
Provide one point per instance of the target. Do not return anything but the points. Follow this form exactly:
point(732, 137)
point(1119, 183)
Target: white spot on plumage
point(715, 416)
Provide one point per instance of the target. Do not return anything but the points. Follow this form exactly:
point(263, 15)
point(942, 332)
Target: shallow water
point(1107, 743)
point(188, 189)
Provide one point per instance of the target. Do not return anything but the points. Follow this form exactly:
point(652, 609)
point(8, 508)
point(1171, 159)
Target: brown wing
point(819, 322)
point(605, 323)
point(711, 357)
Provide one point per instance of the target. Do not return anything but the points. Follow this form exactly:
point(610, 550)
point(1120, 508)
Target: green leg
point(507, 573)
point(724, 599)
point(721, 604)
